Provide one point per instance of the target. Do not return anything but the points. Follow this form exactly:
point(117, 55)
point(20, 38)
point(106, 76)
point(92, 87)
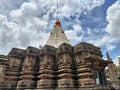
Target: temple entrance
point(97, 77)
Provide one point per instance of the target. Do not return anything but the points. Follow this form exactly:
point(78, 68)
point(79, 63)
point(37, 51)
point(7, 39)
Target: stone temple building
point(55, 66)
point(112, 73)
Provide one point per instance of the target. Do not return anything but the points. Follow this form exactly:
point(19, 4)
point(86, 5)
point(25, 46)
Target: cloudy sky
point(26, 23)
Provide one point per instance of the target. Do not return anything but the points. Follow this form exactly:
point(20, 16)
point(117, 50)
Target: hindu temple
point(56, 66)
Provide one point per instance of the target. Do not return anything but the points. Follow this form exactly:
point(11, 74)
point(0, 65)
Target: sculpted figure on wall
point(2, 68)
point(79, 60)
point(14, 62)
point(30, 60)
point(64, 60)
point(46, 61)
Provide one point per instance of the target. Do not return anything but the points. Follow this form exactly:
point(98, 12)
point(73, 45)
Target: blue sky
point(26, 23)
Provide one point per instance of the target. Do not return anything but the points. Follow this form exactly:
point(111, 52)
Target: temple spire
point(57, 36)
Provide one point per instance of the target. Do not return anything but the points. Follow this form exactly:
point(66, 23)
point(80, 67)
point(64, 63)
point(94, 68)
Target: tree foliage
point(118, 70)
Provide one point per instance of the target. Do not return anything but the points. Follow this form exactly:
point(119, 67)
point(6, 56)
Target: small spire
point(57, 23)
point(108, 57)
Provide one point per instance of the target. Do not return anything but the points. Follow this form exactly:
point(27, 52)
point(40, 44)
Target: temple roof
point(57, 36)
point(16, 52)
point(3, 57)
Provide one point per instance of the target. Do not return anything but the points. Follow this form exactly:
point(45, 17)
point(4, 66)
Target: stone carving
point(1, 71)
point(64, 60)
point(14, 62)
point(79, 59)
point(46, 61)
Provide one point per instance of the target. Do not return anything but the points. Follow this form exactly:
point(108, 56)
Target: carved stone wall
point(65, 72)
point(65, 67)
point(46, 73)
point(27, 78)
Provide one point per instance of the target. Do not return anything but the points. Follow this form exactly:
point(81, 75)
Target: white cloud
point(89, 32)
point(73, 34)
point(110, 46)
point(102, 41)
point(113, 17)
point(90, 4)
point(25, 23)
point(67, 8)
point(116, 60)
point(107, 41)
point(7, 5)
point(2, 18)
point(112, 29)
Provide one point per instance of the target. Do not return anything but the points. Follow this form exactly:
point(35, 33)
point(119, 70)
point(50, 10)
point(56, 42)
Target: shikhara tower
point(57, 36)
point(55, 66)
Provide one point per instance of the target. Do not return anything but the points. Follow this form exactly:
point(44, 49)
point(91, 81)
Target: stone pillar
point(65, 72)
point(46, 66)
point(13, 73)
point(27, 78)
point(3, 82)
point(27, 74)
point(84, 74)
point(15, 58)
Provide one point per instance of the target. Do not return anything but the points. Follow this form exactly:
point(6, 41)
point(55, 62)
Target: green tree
point(118, 71)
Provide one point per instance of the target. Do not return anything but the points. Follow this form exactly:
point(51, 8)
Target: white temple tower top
point(57, 36)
